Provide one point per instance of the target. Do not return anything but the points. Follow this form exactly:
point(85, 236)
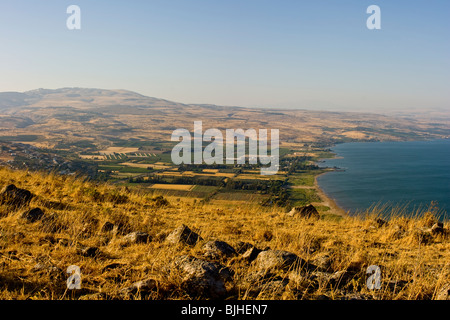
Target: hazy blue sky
point(306, 54)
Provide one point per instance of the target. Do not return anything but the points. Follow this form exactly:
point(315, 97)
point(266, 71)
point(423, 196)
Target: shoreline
point(327, 200)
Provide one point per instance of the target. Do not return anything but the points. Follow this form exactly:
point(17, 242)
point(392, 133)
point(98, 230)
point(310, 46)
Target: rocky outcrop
point(143, 287)
point(200, 278)
point(304, 212)
point(251, 254)
point(15, 197)
point(323, 262)
point(278, 259)
point(184, 235)
point(33, 215)
point(437, 228)
point(333, 280)
point(107, 227)
point(136, 238)
point(91, 252)
point(217, 250)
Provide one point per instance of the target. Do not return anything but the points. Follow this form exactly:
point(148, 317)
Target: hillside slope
point(105, 117)
point(240, 253)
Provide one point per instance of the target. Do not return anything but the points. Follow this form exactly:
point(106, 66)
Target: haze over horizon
point(432, 112)
point(309, 55)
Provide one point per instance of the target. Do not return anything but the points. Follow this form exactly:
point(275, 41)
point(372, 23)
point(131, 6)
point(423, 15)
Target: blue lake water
point(411, 174)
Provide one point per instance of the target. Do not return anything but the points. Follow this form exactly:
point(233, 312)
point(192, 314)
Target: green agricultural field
point(206, 189)
point(302, 197)
point(304, 179)
point(24, 138)
point(240, 196)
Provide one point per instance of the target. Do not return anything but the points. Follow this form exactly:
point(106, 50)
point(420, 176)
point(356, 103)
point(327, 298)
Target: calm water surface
point(409, 174)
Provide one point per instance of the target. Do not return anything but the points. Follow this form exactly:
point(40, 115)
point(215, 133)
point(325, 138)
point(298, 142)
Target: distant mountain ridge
point(78, 97)
point(13, 99)
point(103, 116)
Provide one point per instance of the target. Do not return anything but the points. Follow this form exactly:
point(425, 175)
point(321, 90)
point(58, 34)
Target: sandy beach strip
point(327, 201)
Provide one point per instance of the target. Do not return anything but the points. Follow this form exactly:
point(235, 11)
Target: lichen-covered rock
point(200, 278)
point(218, 249)
point(251, 254)
point(304, 212)
point(183, 234)
point(278, 259)
point(334, 280)
point(142, 287)
point(136, 238)
point(323, 262)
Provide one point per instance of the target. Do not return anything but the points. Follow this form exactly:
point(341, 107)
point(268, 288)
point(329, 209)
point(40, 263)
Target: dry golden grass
point(35, 256)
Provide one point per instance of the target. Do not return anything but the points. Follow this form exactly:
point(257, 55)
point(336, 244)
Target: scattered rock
point(91, 252)
point(378, 222)
point(161, 236)
point(41, 266)
point(278, 259)
point(323, 262)
point(48, 269)
point(251, 254)
point(304, 212)
point(218, 249)
point(183, 234)
point(242, 247)
point(33, 215)
point(136, 238)
point(201, 278)
point(141, 287)
point(335, 280)
point(398, 232)
point(437, 228)
point(107, 227)
point(423, 236)
point(15, 197)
